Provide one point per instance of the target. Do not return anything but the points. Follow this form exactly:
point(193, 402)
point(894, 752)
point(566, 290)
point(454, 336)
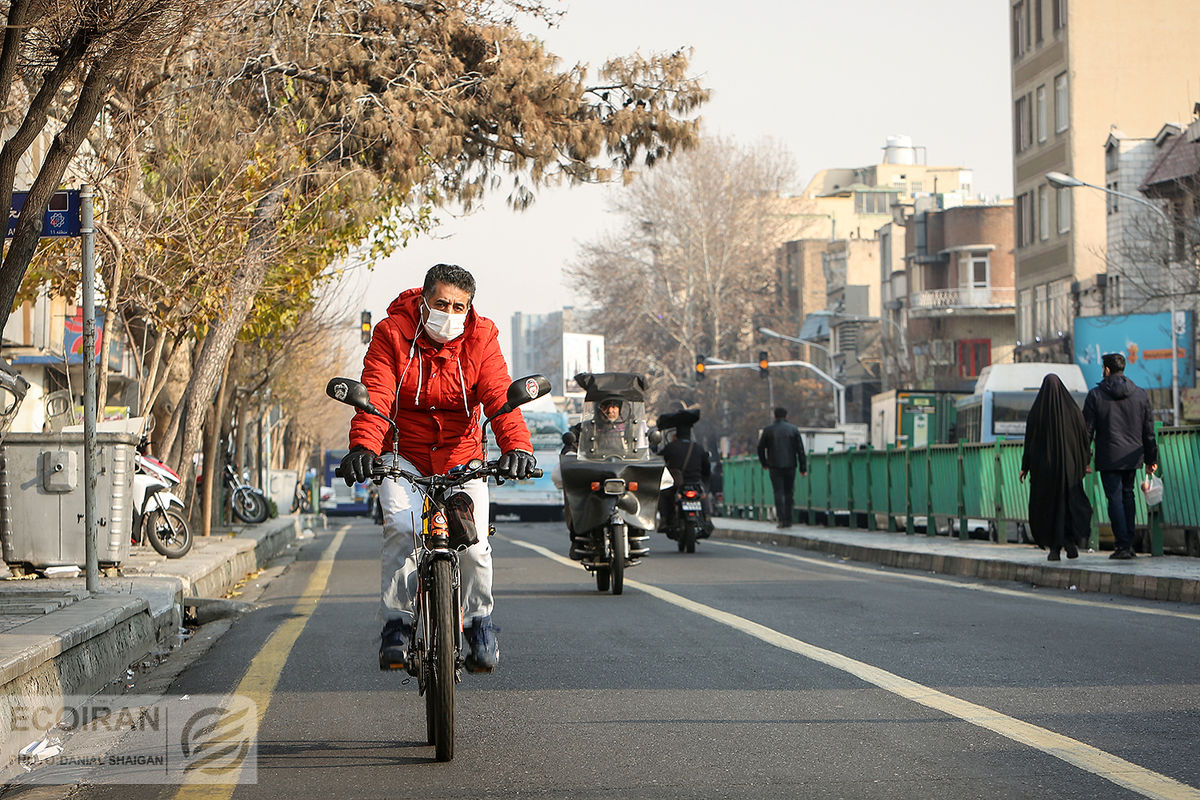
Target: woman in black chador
point(1056, 457)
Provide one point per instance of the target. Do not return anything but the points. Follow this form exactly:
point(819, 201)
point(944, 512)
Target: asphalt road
point(736, 672)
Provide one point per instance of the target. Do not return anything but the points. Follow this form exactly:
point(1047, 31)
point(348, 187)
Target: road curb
point(1089, 574)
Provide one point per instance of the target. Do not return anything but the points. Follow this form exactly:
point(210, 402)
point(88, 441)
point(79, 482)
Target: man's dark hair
point(1115, 362)
point(780, 413)
point(451, 275)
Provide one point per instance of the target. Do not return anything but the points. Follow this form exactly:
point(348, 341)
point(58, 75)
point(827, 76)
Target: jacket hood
point(407, 310)
point(1118, 387)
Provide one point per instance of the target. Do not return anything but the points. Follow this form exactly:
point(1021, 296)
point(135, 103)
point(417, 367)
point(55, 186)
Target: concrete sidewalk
point(56, 641)
point(1174, 578)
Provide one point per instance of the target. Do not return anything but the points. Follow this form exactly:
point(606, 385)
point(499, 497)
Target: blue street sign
point(62, 215)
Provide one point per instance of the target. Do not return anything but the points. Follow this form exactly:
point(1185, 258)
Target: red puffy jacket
point(434, 391)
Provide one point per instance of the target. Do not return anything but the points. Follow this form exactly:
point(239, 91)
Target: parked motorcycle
point(610, 479)
point(248, 503)
point(159, 516)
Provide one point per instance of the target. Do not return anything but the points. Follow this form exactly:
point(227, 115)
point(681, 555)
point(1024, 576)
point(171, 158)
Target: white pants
point(402, 506)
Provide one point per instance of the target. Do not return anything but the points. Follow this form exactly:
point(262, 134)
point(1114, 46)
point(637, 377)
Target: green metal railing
point(962, 481)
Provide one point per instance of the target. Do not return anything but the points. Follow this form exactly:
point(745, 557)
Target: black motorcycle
point(610, 480)
point(690, 522)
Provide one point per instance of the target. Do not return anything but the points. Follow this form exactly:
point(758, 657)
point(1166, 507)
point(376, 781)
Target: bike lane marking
point(261, 677)
point(1084, 756)
point(895, 573)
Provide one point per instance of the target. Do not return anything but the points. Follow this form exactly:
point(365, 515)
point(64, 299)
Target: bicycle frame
point(432, 544)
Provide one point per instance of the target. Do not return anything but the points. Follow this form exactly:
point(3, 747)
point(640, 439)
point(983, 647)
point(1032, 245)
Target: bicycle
point(437, 654)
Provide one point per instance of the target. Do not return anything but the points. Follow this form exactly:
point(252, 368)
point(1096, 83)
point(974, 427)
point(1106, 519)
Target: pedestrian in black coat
point(1057, 455)
point(1117, 412)
point(781, 451)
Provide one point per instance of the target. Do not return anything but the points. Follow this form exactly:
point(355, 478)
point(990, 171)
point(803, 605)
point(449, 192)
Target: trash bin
point(42, 502)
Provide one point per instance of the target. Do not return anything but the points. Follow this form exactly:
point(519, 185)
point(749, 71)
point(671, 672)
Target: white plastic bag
point(1152, 488)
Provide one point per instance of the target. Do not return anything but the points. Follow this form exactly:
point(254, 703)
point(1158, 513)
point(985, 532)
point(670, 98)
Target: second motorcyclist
point(689, 465)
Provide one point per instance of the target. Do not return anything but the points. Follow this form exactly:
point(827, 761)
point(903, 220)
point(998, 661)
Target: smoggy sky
point(830, 82)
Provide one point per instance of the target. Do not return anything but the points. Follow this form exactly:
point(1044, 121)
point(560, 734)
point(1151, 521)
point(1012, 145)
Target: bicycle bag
point(460, 519)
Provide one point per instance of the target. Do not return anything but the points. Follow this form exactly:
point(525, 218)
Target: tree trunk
point(110, 321)
point(211, 455)
point(218, 344)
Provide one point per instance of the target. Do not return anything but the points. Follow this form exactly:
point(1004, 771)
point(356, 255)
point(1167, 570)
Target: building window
point(1064, 210)
point(1020, 111)
point(1023, 123)
point(1043, 213)
point(1112, 199)
point(1059, 8)
point(1061, 112)
point(973, 356)
point(1112, 159)
point(1024, 219)
point(1041, 113)
point(1025, 315)
point(1039, 311)
point(1037, 21)
point(874, 202)
point(1058, 311)
point(1020, 32)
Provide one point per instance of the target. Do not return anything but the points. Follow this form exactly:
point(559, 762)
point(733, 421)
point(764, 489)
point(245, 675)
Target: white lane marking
point(1090, 759)
point(909, 576)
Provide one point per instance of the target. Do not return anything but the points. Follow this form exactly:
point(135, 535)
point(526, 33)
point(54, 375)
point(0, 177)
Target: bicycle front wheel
point(439, 703)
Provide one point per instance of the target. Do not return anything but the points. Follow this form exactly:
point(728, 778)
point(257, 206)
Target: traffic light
point(700, 359)
point(764, 364)
point(366, 327)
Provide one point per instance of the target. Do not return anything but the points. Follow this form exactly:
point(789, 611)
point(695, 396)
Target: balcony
point(1003, 298)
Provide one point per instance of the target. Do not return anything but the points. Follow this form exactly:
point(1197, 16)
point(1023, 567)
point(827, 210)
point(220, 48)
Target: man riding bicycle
point(437, 366)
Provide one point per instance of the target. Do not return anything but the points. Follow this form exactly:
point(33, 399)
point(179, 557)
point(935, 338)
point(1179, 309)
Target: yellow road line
point(265, 669)
point(974, 587)
point(1090, 759)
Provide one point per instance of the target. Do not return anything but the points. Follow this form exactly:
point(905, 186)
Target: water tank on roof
point(899, 150)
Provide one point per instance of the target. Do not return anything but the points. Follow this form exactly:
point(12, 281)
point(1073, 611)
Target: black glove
point(516, 464)
point(356, 465)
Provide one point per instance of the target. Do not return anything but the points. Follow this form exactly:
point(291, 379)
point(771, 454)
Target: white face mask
point(442, 326)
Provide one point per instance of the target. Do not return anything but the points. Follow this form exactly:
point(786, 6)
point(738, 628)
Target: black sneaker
point(1122, 555)
point(485, 650)
point(394, 643)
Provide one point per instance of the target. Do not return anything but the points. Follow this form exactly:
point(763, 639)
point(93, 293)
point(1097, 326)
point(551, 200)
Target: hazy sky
point(829, 81)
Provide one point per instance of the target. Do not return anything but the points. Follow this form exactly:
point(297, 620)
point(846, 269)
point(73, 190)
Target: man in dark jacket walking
point(781, 450)
point(1117, 414)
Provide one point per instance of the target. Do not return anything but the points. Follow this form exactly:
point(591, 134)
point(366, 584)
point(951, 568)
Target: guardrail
point(963, 482)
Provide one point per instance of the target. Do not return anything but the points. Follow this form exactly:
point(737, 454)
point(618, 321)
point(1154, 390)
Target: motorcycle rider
point(608, 428)
point(689, 465)
point(436, 364)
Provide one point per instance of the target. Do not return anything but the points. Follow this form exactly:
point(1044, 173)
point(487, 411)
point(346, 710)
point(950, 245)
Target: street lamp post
point(1060, 180)
point(839, 391)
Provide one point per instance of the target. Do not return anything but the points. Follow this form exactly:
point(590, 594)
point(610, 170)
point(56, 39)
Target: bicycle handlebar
point(379, 471)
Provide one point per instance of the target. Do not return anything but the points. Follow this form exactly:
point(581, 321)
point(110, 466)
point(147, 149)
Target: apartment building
point(1079, 69)
point(854, 203)
point(961, 303)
